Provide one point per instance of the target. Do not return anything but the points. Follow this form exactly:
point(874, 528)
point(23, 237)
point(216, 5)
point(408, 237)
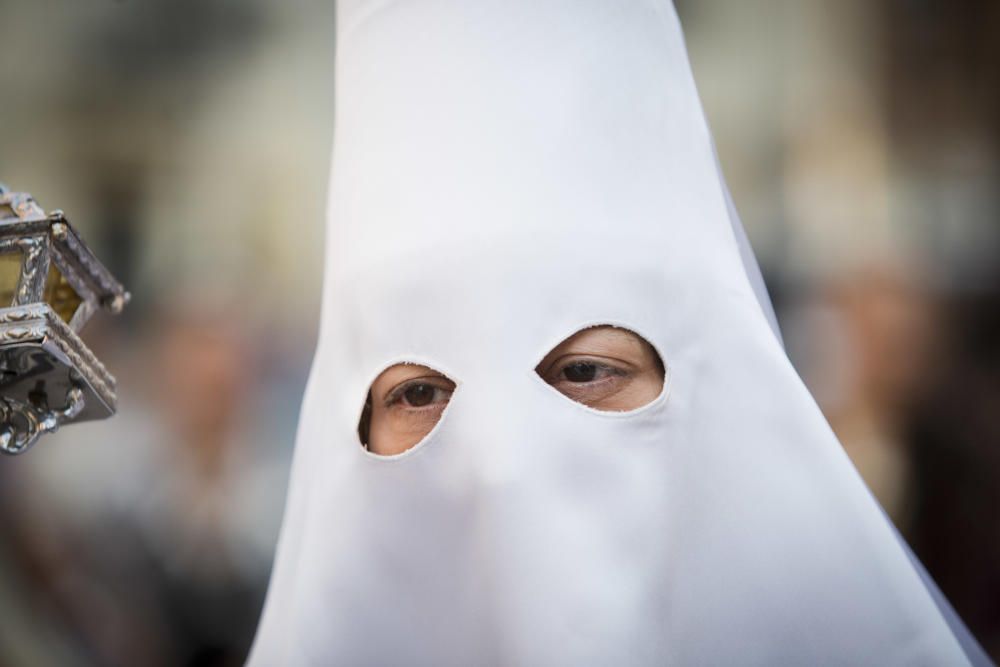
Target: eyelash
point(395, 397)
point(614, 371)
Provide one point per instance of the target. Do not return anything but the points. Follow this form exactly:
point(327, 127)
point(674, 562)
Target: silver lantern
point(50, 285)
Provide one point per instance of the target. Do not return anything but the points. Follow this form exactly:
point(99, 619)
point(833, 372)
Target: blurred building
point(189, 142)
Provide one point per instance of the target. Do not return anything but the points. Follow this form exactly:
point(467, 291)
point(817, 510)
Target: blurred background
point(188, 141)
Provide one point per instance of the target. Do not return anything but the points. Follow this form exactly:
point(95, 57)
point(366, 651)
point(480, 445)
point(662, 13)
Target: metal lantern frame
point(48, 376)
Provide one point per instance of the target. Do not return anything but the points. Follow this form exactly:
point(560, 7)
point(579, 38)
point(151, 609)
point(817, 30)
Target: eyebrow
point(621, 336)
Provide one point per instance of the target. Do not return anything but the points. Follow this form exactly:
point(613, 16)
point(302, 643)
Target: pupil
point(580, 372)
point(419, 395)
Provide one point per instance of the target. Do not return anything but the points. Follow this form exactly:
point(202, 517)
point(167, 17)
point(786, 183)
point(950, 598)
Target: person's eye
point(606, 368)
point(420, 393)
point(580, 372)
point(588, 381)
point(403, 405)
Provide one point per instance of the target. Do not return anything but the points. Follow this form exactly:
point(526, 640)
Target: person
point(524, 204)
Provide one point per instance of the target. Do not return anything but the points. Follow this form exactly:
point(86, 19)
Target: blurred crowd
point(189, 142)
point(148, 539)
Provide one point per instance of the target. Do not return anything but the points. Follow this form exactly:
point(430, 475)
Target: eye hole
point(605, 368)
point(404, 403)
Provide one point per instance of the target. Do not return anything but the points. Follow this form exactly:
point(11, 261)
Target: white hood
point(505, 173)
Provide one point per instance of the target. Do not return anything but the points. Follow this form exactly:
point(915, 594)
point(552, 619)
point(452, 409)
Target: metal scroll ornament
point(51, 284)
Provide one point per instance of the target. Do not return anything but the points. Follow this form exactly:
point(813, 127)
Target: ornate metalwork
point(34, 267)
point(37, 326)
point(48, 376)
point(21, 424)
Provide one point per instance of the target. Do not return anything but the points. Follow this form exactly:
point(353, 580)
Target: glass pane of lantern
point(6, 211)
point(60, 295)
point(10, 271)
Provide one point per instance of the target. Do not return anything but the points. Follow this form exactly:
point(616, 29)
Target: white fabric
point(505, 173)
point(750, 265)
